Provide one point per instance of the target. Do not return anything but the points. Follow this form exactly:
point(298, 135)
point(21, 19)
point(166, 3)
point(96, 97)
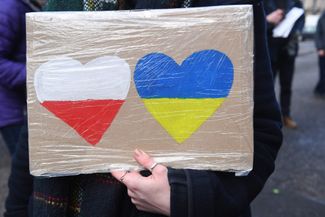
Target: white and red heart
point(86, 97)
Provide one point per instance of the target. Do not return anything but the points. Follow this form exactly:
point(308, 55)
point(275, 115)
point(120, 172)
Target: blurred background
point(297, 187)
point(313, 10)
point(314, 6)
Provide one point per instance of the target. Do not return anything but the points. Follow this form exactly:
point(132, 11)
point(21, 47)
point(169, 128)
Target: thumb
point(143, 159)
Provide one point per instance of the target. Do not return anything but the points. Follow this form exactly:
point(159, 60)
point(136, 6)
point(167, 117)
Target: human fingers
point(280, 11)
point(127, 178)
point(148, 162)
point(119, 174)
point(275, 17)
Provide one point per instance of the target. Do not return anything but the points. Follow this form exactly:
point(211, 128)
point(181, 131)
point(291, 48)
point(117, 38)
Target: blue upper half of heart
point(204, 74)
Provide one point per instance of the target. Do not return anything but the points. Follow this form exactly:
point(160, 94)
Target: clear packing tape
point(176, 83)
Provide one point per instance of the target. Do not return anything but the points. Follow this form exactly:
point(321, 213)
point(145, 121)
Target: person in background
point(320, 46)
point(283, 51)
point(13, 68)
point(13, 99)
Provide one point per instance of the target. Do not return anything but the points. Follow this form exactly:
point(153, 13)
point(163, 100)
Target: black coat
point(193, 193)
point(217, 194)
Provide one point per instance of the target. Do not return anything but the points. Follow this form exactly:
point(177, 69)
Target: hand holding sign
point(152, 193)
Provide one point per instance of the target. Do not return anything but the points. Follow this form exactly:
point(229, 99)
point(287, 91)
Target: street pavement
point(297, 187)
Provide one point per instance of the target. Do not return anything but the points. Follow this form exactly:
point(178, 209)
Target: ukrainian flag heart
point(182, 97)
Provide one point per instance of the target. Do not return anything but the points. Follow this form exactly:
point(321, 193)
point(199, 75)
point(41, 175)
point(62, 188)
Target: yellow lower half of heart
point(182, 117)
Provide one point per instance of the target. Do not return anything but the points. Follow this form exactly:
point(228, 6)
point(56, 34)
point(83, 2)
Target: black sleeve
point(197, 193)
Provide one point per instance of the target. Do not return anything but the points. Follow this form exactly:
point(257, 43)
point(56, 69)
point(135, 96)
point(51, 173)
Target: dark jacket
point(286, 5)
point(272, 5)
point(12, 61)
point(320, 33)
point(288, 46)
point(194, 193)
point(217, 194)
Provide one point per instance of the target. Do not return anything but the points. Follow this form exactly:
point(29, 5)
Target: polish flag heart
point(86, 97)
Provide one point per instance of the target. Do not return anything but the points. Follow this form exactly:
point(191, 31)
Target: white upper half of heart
point(66, 79)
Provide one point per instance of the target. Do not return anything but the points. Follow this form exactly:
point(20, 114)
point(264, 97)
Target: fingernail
point(137, 152)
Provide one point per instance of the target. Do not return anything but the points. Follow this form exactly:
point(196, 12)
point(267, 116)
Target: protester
point(12, 68)
point(283, 52)
point(173, 192)
point(320, 45)
point(12, 99)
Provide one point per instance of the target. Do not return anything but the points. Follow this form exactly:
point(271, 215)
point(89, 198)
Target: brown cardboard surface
point(224, 142)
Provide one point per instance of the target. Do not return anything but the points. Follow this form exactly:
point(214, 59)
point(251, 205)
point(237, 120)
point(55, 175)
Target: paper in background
point(283, 29)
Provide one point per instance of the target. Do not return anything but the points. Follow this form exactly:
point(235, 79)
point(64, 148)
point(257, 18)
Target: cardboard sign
point(175, 83)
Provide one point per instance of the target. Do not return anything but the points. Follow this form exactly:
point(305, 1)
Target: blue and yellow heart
point(182, 97)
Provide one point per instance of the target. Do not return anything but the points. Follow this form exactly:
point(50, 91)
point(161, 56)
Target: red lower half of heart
point(90, 118)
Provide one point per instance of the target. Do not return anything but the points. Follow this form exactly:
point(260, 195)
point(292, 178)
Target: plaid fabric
point(92, 5)
point(95, 195)
point(99, 5)
point(186, 3)
point(64, 5)
point(76, 197)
